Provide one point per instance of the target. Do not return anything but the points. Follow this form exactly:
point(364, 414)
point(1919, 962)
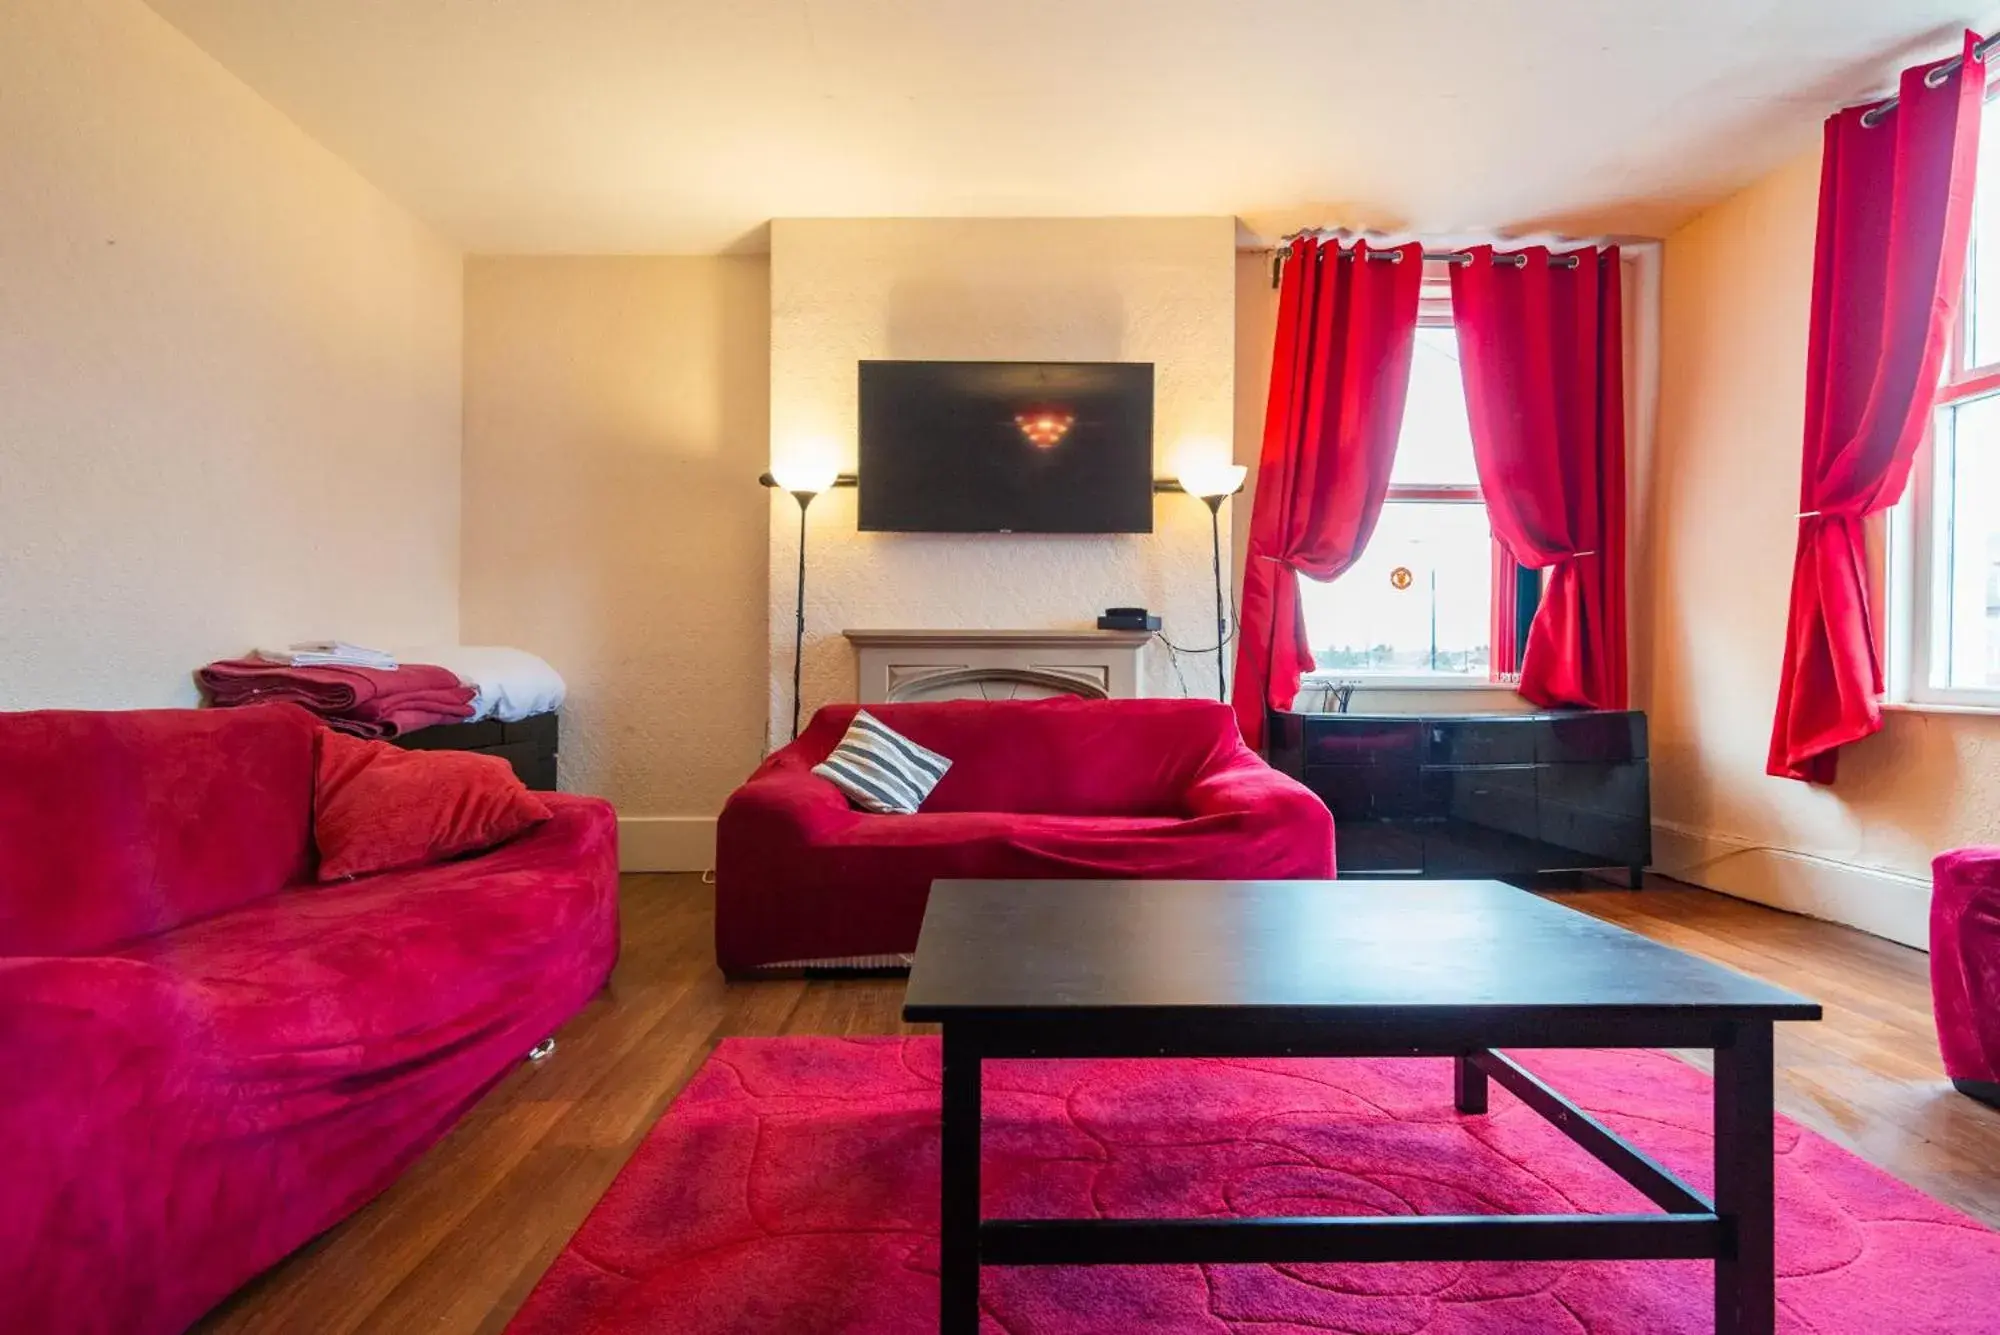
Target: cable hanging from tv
point(1174, 651)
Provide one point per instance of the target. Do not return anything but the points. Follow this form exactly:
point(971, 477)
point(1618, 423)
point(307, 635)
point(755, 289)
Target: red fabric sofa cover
point(208, 1059)
point(1039, 789)
point(1965, 967)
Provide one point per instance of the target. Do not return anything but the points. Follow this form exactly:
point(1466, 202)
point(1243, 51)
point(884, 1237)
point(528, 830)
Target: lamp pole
point(805, 477)
point(1213, 484)
point(1214, 504)
point(804, 499)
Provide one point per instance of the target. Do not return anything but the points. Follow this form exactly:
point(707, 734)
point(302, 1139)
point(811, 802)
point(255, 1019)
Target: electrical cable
point(1174, 651)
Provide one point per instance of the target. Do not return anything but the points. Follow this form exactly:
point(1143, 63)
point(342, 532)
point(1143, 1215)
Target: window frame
point(1433, 312)
point(1912, 575)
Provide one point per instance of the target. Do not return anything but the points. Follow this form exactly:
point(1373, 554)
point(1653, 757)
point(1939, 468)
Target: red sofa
point(1965, 968)
point(1037, 789)
point(205, 1057)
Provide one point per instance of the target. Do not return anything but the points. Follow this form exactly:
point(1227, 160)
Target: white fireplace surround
point(896, 666)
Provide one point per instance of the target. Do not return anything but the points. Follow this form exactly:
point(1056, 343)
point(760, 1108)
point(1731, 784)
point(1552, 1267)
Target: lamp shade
point(811, 476)
point(1211, 479)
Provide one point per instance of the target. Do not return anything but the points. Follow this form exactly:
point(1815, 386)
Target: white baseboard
point(666, 843)
point(1884, 903)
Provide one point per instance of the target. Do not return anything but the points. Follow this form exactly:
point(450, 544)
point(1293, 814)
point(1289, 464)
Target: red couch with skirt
point(1041, 789)
point(206, 1058)
point(1965, 968)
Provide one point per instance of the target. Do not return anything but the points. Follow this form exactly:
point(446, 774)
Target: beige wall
point(229, 374)
point(1256, 330)
point(1724, 492)
point(1130, 289)
point(615, 416)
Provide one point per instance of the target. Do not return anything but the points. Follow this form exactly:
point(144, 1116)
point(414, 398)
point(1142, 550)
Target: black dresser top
point(1452, 716)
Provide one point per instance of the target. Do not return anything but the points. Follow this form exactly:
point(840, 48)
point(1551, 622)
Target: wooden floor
point(456, 1245)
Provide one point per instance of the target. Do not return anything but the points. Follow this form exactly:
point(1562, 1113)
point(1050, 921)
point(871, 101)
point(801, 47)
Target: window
point(1946, 543)
point(1418, 604)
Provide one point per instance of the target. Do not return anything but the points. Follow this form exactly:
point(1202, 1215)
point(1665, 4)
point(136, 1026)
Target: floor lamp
point(1214, 484)
point(805, 480)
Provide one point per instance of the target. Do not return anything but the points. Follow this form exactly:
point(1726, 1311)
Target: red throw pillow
point(377, 807)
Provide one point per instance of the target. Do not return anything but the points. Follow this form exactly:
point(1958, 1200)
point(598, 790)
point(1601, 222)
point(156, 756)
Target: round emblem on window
point(1400, 577)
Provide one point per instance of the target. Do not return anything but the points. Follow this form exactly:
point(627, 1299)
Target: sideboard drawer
point(1384, 850)
point(1364, 742)
point(1481, 741)
point(1368, 792)
point(1600, 739)
point(1600, 813)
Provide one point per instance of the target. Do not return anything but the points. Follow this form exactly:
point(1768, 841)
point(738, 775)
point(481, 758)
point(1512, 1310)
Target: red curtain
point(1542, 352)
point(1895, 210)
point(1340, 371)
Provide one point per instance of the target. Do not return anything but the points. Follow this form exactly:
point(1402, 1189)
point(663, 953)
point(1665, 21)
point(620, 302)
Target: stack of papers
point(329, 653)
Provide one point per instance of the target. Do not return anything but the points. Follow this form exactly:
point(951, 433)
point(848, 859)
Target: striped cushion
point(880, 769)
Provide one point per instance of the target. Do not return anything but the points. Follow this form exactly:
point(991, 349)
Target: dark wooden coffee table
point(1451, 969)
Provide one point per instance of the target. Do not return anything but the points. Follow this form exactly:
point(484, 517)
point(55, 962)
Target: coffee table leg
point(1468, 1085)
point(958, 1214)
point(1746, 1283)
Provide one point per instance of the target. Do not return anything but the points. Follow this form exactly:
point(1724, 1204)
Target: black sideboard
point(1488, 795)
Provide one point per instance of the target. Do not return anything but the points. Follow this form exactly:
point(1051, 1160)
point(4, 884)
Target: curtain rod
point(1873, 116)
point(1514, 259)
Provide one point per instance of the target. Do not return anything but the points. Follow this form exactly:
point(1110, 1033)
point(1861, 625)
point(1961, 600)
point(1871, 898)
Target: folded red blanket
point(368, 702)
point(399, 715)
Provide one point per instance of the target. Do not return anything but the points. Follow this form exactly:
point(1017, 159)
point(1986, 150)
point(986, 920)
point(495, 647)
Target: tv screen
point(1006, 447)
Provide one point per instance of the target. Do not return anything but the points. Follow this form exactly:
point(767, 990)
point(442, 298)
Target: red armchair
point(1040, 789)
point(205, 1057)
point(1965, 968)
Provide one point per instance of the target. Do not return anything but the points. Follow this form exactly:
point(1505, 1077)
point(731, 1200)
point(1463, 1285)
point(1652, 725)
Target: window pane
point(1982, 293)
point(1438, 622)
point(1965, 602)
point(1436, 445)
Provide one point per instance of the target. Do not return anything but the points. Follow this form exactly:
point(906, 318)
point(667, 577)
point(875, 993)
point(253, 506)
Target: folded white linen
point(328, 653)
point(511, 684)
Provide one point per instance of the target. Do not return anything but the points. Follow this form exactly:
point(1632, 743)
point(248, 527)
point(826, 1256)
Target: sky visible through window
point(1436, 445)
point(1984, 291)
point(1966, 601)
point(1965, 596)
point(1418, 601)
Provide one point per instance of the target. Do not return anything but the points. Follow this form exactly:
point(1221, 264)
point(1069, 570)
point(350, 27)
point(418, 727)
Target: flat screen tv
point(1006, 447)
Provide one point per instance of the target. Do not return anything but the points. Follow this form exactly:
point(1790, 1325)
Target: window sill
point(1329, 681)
point(1926, 707)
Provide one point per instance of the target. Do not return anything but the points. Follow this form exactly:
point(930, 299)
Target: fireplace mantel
point(906, 665)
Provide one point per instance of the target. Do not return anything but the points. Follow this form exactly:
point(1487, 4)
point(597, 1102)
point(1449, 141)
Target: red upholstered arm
point(1246, 819)
point(785, 798)
point(772, 862)
point(1240, 783)
point(99, 1052)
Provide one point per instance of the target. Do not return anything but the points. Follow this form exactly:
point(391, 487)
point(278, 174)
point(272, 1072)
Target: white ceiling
point(676, 126)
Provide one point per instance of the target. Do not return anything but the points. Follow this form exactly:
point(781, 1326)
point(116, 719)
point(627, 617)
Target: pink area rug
point(792, 1188)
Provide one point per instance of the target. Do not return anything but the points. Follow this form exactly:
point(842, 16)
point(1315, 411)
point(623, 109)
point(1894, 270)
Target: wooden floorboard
point(458, 1242)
